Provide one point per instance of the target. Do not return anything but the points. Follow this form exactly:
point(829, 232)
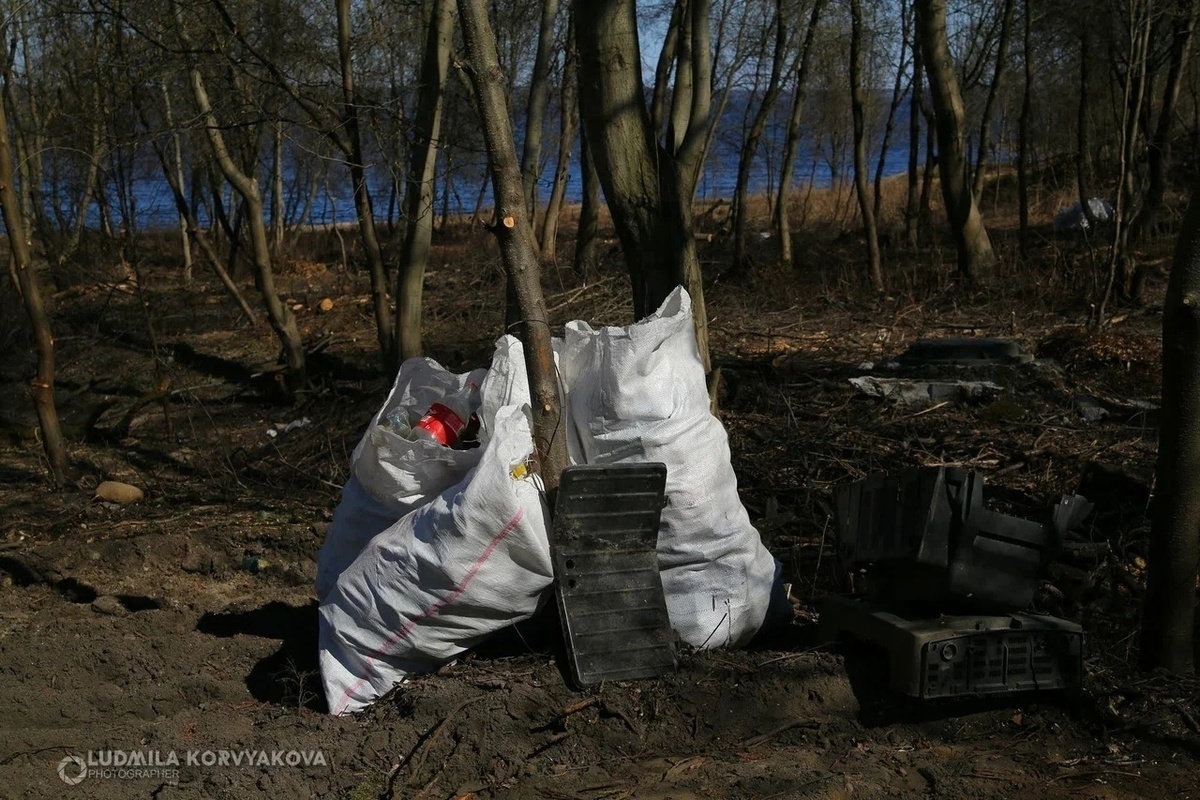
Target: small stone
point(121, 493)
point(107, 604)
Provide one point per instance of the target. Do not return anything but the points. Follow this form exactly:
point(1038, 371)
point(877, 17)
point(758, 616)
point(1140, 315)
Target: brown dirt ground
point(187, 622)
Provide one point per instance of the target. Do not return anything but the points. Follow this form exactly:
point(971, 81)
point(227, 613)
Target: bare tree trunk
point(589, 210)
point(515, 235)
point(618, 133)
point(1158, 154)
point(1081, 130)
point(750, 143)
point(99, 117)
point(345, 134)
point(925, 204)
point(175, 171)
point(1023, 132)
point(970, 237)
point(858, 101)
point(1168, 619)
point(662, 72)
point(173, 174)
point(890, 124)
point(985, 124)
point(418, 197)
point(277, 188)
point(42, 386)
point(568, 109)
point(535, 113)
point(649, 189)
point(792, 145)
point(280, 316)
point(912, 208)
point(362, 195)
point(1141, 23)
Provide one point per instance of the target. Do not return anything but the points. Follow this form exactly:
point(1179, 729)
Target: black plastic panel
point(609, 590)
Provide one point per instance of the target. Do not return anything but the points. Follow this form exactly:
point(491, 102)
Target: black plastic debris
point(927, 541)
point(609, 590)
point(953, 655)
point(964, 351)
point(948, 583)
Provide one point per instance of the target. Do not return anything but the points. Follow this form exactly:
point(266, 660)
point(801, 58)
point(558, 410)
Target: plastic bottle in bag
point(446, 419)
point(397, 421)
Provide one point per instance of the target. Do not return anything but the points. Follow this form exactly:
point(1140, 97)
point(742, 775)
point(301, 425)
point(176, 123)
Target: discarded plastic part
point(523, 469)
point(950, 656)
point(281, 427)
point(931, 544)
point(1091, 409)
point(908, 392)
point(398, 422)
point(964, 351)
point(446, 419)
point(1072, 217)
point(1069, 513)
point(607, 582)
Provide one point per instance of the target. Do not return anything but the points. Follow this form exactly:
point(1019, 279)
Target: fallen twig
point(555, 739)
point(754, 741)
point(1188, 719)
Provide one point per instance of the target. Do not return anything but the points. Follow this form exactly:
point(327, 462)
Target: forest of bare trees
point(229, 129)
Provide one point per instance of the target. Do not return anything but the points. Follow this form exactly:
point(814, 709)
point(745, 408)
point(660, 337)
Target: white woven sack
point(390, 474)
point(638, 394)
point(473, 560)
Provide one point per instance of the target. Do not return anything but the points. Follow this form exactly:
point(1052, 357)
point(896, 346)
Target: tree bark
point(173, 174)
point(344, 132)
point(278, 314)
point(1023, 132)
point(858, 102)
point(418, 196)
point(970, 236)
point(985, 124)
point(893, 107)
point(568, 109)
point(1081, 129)
point(589, 211)
point(749, 149)
point(925, 203)
point(515, 235)
point(175, 171)
point(362, 195)
point(649, 188)
point(912, 208)
point(1158, 153)
point(1141, 24)
point(1168, 621)
point(42, 386)
point(535, 112)
point(662, 72)
point(277, 187)
point(792, 144)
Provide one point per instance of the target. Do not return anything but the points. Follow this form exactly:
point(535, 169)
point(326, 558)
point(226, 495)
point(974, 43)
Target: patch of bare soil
point(186, 623)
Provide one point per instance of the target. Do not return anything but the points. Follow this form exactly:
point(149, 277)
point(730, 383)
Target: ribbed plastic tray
point(607, 582)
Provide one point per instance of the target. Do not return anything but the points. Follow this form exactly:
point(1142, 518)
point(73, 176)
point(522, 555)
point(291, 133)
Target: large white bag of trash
point(390, 474)
point(638, 394)
point(471, 561)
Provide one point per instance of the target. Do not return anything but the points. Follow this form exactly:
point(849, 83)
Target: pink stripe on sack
point(456, 593)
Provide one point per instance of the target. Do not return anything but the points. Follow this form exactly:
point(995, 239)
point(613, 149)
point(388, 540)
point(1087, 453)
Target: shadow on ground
point(290, 676)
